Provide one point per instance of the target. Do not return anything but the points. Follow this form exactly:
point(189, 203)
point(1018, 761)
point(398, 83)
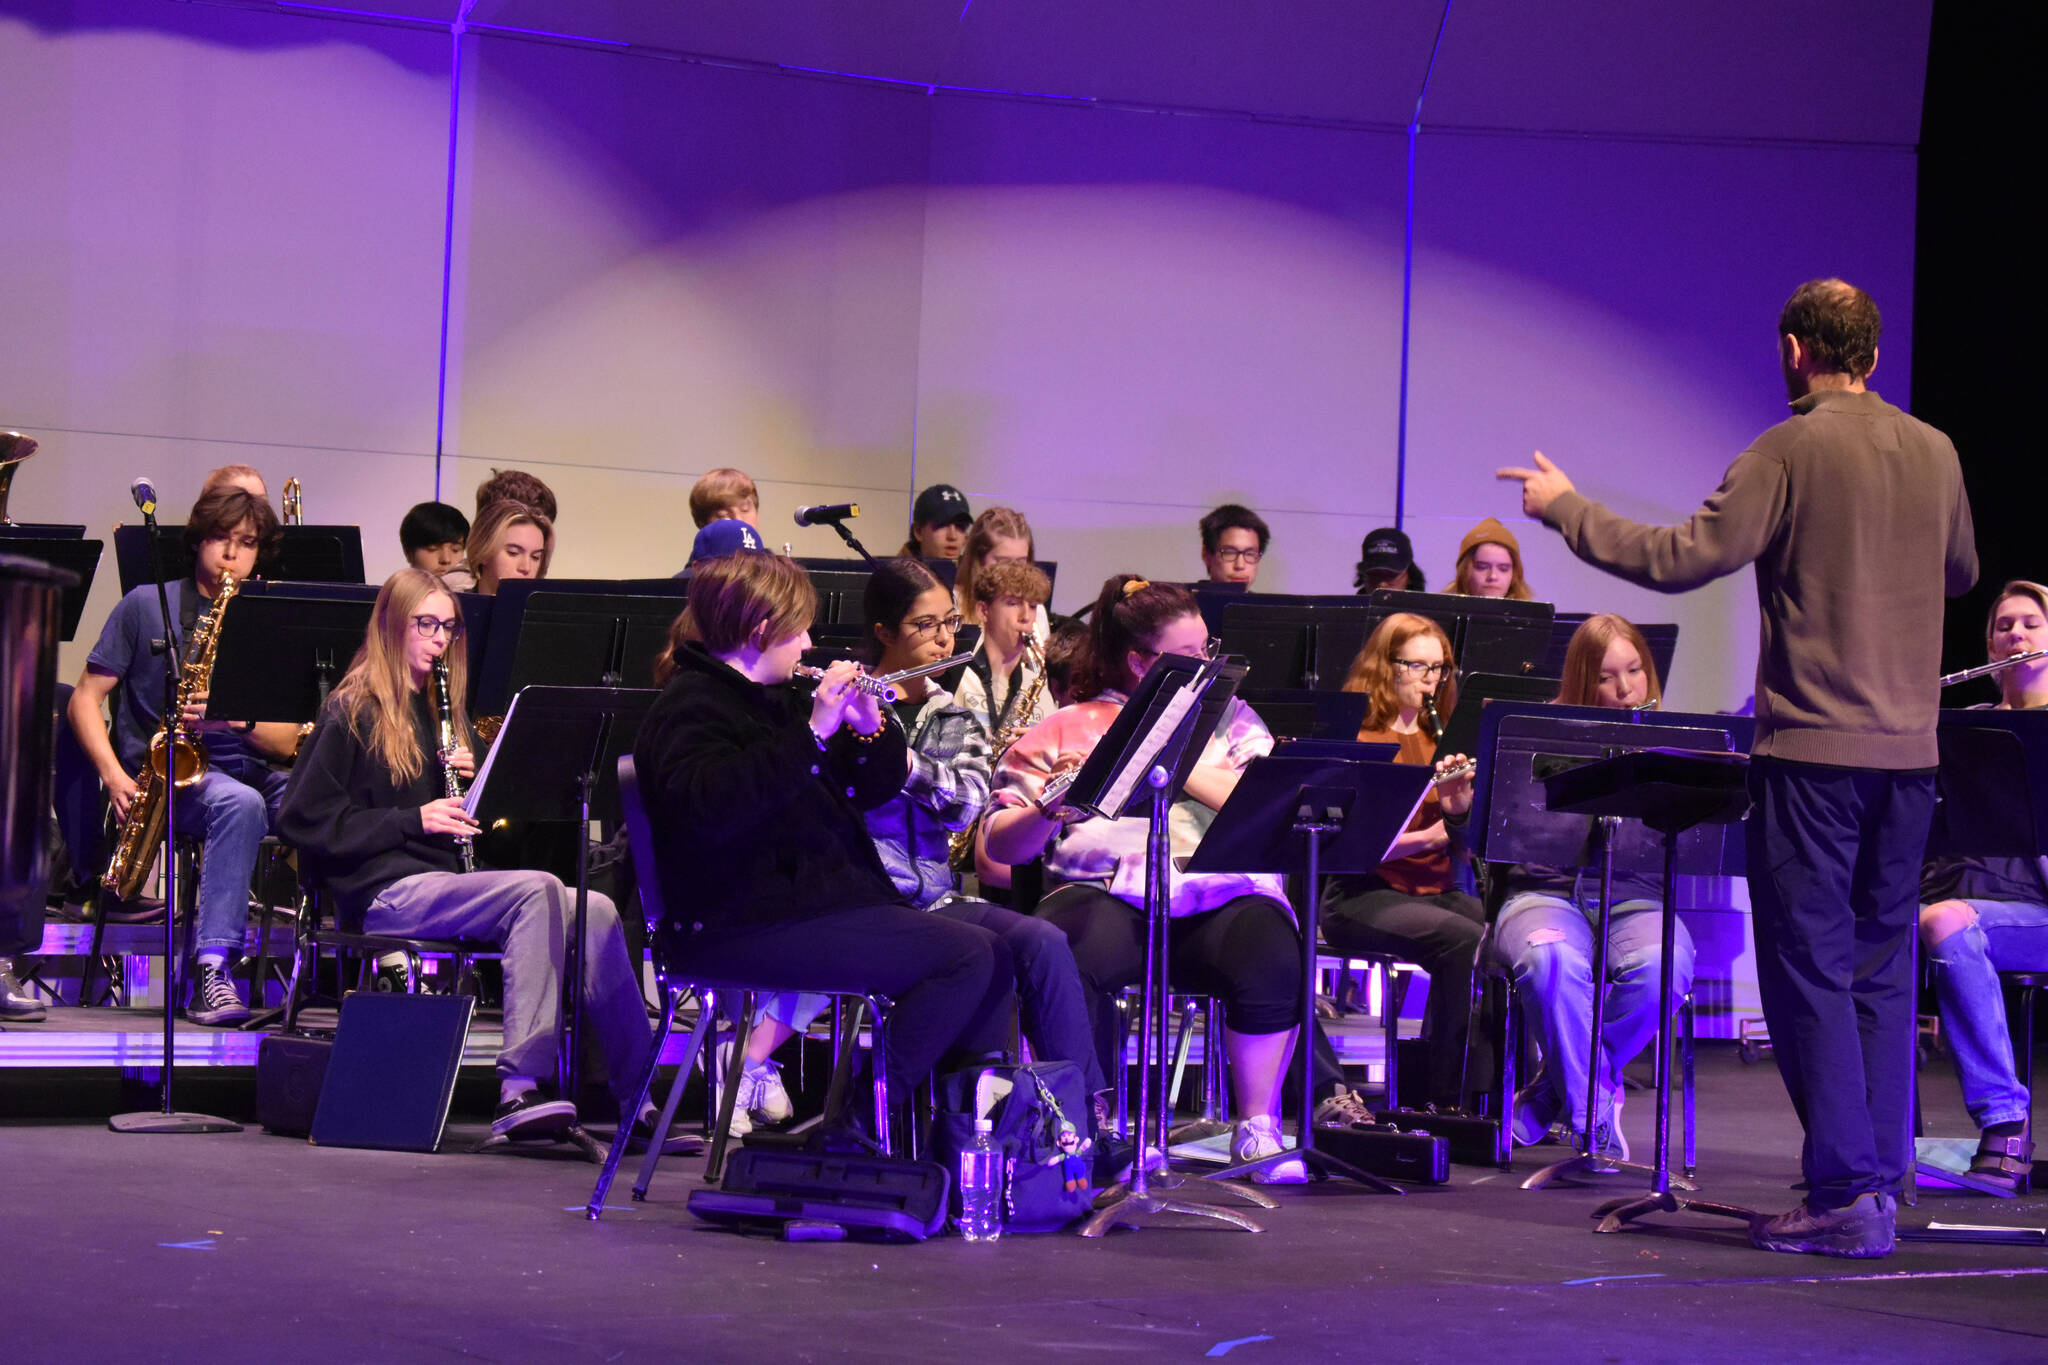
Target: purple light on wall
point(455, 35)
point(1408, 273)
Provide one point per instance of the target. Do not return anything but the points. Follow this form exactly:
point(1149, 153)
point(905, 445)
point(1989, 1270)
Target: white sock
point(511, 1088)
point(211, 957)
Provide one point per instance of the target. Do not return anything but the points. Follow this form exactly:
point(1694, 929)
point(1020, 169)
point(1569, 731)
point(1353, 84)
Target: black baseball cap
point(1386, 548)
point(941, 505)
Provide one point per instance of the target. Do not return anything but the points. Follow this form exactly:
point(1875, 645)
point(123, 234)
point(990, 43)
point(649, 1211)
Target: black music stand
point(1138, 766)
point(557, 758)
point(1476, 691)
point(312, 554)
point(1993, 803)
point(1488, 634)
point(1670, 791)
point(1661, 638)
point(1315, 815)
point(280, 656)
point(1292, 713)
point(74, 555)
point(572, 633)
point(1304, 643)
point(1522, 744)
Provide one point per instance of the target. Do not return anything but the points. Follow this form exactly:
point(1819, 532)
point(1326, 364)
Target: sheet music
point(483, 772)
point(1170, 716)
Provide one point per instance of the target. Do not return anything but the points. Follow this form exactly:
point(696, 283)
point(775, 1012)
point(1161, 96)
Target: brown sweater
point(1855, 517)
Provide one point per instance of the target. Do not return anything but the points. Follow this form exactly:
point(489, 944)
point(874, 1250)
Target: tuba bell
point(14, 448)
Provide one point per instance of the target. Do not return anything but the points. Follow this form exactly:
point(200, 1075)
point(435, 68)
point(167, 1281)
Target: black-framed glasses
point(1417, 668)
point(932, 625)
point(427, 627)
point(1241, 556)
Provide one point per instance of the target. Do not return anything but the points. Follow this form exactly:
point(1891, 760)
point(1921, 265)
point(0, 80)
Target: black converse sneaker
point(214, 1001)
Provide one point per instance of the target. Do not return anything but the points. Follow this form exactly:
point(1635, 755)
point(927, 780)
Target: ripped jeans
point(1548, 943)
point(2006, 936)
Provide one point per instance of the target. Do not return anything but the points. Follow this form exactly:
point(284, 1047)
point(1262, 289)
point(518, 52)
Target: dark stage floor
point(251, 1247)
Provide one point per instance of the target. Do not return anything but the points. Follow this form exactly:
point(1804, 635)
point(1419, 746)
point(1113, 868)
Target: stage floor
point(253, 1247)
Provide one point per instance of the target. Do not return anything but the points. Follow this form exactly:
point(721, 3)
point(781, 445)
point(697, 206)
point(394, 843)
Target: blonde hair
point(1372, 672)
point(720, 490)
point(492, 526)
point(1580, 685)
point(374, 698)
point(994, 523)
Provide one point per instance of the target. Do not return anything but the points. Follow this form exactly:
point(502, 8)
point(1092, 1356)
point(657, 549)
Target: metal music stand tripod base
point(1616, 1214)
point(158, 1122)
point(575, 1135)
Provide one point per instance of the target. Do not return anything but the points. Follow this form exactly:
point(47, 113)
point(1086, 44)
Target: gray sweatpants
point(530, 915)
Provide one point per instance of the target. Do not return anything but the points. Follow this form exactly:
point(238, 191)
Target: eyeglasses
point(932, 625)
point(1211, 647)
point(1416, 668)
point(1241, 556)
point(427, 627)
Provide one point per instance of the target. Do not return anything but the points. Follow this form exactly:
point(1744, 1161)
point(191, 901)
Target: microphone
point(827, 514)
point(144, 493)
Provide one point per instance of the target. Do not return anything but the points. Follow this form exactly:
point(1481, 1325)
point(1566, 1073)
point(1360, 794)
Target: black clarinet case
point(770, 1189)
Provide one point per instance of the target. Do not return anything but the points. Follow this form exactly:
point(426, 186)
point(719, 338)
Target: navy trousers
point(1834, 889)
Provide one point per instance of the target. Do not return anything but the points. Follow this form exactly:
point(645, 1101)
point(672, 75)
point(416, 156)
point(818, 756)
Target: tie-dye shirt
point(1111, 853)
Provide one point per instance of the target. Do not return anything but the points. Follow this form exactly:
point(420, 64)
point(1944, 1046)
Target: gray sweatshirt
point(1855, 517)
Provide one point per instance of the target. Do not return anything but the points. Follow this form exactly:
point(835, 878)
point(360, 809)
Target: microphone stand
point(858, 548)
point(168, 1119)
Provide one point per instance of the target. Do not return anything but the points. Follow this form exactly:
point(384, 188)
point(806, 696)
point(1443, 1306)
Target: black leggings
point(1438, 933)
point(1245, 952)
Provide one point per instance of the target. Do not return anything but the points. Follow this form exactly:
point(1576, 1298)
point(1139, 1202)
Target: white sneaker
point(762, 1093)
point(1260, 1137)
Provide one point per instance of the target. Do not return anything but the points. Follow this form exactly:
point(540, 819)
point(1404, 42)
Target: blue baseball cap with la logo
point(725, 537)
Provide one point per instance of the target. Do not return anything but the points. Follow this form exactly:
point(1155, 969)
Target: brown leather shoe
point(2004, 1161)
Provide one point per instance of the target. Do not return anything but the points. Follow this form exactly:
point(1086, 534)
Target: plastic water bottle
point(981, 1186)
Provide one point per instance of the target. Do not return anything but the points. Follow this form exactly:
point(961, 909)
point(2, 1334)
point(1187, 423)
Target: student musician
point(724, 493)
point(436, 538)
point(516, 485)
point(1233, 936)
point(910, 624)
point(1408, 907)
point(509, 540)
point(1546, 925)
point(246, 477)
point(1387, 560)
point(756, 792)
point(939, 522)
point(1983, 916)
point(232, 804)
point(1000, 535)
point(1001, 684)
point(1490, 564)
point(368, 808)
point(1234, 540)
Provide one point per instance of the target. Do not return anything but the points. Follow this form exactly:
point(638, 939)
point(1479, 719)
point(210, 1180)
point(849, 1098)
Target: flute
point(1995, 666)
point(883, 687)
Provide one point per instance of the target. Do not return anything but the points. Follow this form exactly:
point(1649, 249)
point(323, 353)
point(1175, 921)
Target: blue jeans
point(234, 809)
point(2008, 936)
point(1548, 943)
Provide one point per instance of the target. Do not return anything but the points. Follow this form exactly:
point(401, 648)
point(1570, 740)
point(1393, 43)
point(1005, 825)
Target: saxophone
point(174, 754)
point(450, 742)
point(960, 849)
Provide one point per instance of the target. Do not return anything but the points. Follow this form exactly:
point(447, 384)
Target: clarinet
point(465, 848)
point(1430, 720)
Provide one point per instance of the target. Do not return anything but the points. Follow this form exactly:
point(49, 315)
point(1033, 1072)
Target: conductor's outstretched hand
point(1540, 486)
